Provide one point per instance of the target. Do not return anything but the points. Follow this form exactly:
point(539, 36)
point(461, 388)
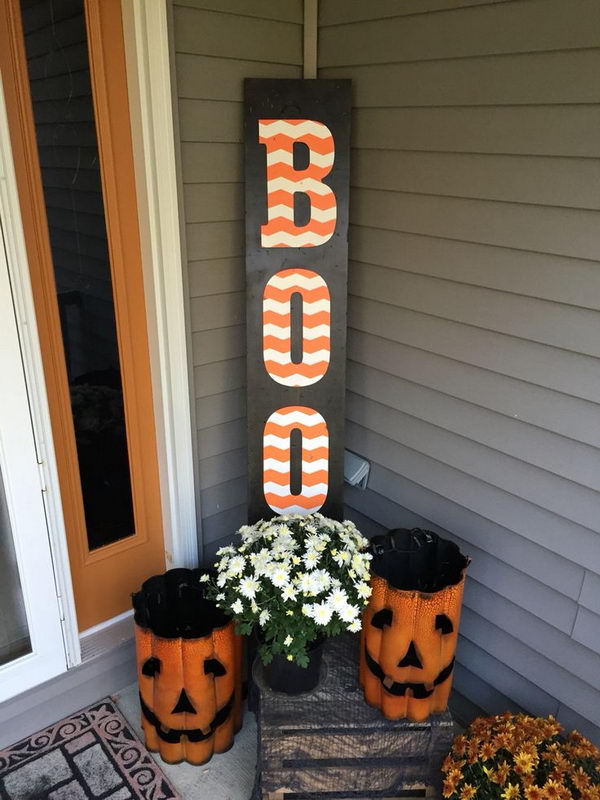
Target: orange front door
point(64, 77)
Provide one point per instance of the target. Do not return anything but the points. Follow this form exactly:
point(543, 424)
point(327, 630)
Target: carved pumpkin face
point(189, 669)
point(409, 634)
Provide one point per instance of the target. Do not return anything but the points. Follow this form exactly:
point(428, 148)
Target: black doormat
point(92, 755)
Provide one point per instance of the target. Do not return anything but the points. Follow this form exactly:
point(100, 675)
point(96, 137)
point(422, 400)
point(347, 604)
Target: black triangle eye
point(214, 667)
point(443, 624)
point(382, 618)
point(151, 667)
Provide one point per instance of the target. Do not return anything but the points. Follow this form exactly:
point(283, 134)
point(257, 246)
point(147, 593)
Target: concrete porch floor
point(226, 777)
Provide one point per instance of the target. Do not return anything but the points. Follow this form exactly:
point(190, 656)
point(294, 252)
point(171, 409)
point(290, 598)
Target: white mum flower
point(236, 565)
point(337, 599)
point(307, 610)
point(349, 613)
point(355, 626)
point(249, 587)
point(342, 557)
point(289, 593)
point(280, 577)
point(237, 607)
point(260, 561)
point(264, 617)
point(364, 590)
point(221, 580)
point(321, 613)
point(204, 578)
point(228, 549)
point(322, 579)
point(288, 640)
point(308, 585)
point(311, 559)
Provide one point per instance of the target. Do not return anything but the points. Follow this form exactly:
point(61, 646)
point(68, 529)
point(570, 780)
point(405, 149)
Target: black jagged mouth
point(173, 735)
point(419, 690)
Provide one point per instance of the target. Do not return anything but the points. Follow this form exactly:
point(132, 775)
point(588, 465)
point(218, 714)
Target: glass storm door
point(31, 643)
point(69, 117)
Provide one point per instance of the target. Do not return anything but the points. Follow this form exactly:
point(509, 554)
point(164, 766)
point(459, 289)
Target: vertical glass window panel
point(59, 76)
point(14, 631)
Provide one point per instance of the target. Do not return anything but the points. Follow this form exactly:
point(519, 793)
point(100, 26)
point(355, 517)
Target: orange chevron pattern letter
point(277, 331)
point(276, 460)
point(283, 181)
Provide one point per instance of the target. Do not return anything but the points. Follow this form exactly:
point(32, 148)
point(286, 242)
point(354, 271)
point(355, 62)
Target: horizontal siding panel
point(564, 498)
point(510, 582)
point(216, 276)
point(337, 12)
point(222, 468)
point(545, 639)
point(557, 534)
point(586, 631)
point(214, 78)
point(533, 666)
point(545, 276)
point(211, 162)
point(571, 460)
point(568, 182)
point(215, 409)
point(561, 231)
point(557, 325)
point(563, 371)
point(466, 31)
point(212, 33)
point(510, 682)
point(213, 202)
point(218, 311)
point(219, 344)
point(476, 531)
point(219, 530)
point(480, 694)
point(521, 130)
point(221, 438)
point(476, 384)
point(290, 11)
point(209, 240)
point(223, 497)
point(210, 121)
point(590, 592)
point(567, 76)
point(221, 376)
point(573, 721)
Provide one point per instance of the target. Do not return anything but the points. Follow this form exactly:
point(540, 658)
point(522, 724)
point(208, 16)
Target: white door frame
point(149, 78)
point(14, 239)
point(24, 487)
point(152, 112)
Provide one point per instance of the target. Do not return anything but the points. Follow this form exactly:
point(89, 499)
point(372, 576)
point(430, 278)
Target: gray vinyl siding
point(217, 44)
point(474, 332)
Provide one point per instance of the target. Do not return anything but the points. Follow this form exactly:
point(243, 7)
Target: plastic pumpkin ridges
point(189, 669)
point(410, 627)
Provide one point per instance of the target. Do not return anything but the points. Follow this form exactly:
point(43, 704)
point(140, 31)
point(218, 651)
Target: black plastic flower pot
point(288, 677)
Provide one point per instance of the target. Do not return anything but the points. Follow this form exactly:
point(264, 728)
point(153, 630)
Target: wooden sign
point(297, 142)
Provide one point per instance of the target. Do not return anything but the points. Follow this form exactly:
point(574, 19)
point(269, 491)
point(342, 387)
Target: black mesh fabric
point(329, 743)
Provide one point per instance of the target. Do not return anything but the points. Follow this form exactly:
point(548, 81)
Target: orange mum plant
point(518, 757)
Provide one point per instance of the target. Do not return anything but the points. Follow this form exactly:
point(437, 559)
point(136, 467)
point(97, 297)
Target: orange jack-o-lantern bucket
point(410, 627)
point(189, 669)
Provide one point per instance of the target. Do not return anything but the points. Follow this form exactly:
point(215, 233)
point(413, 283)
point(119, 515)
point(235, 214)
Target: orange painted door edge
point(103, 579)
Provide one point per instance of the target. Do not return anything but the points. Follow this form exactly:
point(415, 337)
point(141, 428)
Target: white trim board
point(149, 73)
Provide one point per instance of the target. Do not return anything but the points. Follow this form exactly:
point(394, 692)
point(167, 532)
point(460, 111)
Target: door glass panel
point(59, 75)
point(14, 632)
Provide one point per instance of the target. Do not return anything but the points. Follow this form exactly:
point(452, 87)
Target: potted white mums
point(295, 580)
